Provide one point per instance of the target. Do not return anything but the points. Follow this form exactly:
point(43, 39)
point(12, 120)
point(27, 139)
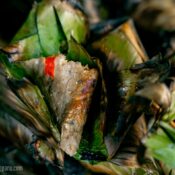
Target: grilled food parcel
point(109, 110)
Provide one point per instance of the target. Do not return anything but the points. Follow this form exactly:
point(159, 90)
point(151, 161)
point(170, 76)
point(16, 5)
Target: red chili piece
point(50, 66)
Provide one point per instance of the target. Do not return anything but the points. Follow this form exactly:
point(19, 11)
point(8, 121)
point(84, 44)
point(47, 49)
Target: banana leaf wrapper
point(77, 53)
point(14, 130)
point(129, 152)
point(33, 99)
point(29, 109)
point(125, 161)
point(118, 50)
point(25, 115)
point(68, 87)
point(152, 101)
point(122, 147)
point(25, 140)
point(74, 22)
point(25, 98)
point(122, 80)
point(24, 128)
point(93, 152)
point(102, 28)
point(50, 24)
point(121, 47)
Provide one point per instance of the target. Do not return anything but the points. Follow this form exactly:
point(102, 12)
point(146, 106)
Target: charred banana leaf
point(23, 138)
point(134, 131)
point(119, 50)
point(25, 115)
point(25, 98)
point(123, 80)
point(31, 96)
point(152, 99)
point(129, 151)
point(13, 130)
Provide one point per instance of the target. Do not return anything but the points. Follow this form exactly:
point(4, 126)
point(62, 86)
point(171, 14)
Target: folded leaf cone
point(23, 138)
point(118, 50)
point(49, 26)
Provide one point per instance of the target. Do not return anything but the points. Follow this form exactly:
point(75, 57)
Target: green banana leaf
point(51, 36)
point(25, 44)
point(121, 46)
point(161, 144)
point(10, 69)
point(76, 52)
point(46, 31)
point(73, 21)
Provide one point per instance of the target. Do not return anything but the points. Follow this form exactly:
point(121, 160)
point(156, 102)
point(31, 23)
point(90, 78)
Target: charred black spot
point(92, 156)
